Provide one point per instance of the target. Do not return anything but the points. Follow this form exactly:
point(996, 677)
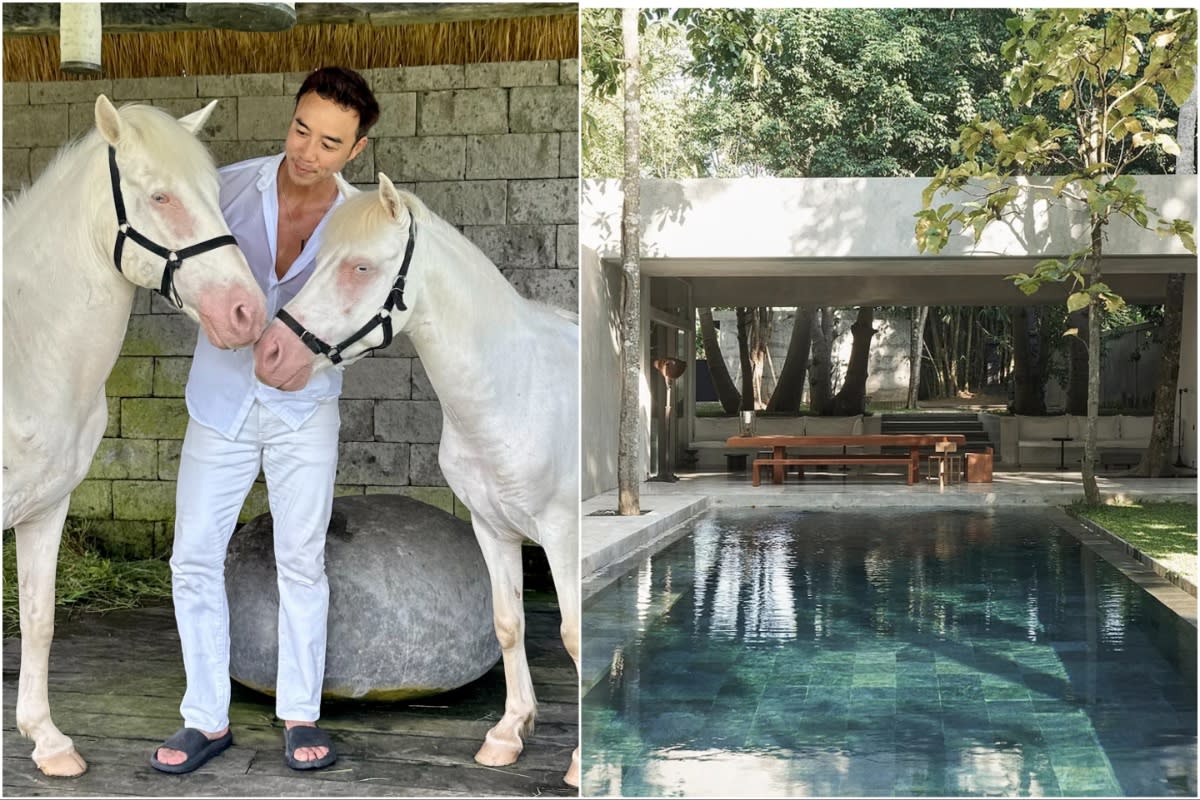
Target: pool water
point(782, 652)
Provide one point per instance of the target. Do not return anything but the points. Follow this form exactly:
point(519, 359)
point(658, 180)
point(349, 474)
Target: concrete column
point(1187, 374)
point(647, 371)
point(688, 385)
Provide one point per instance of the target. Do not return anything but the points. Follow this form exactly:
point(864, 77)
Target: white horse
point(70, 272)
point(505, 371)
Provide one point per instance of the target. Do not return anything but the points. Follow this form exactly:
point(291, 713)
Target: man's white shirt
point(221, 387)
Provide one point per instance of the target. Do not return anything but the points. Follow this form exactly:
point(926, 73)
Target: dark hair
point(346, 88)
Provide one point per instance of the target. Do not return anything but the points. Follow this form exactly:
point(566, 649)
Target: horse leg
point(37, 564)
point(505, 740)
point(563, 556)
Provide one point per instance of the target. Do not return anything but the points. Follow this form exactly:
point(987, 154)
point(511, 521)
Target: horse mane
point(361, 216)
point(156, 133)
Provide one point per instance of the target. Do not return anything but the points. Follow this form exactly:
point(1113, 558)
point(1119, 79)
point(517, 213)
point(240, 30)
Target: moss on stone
point(152, 501)
point(130, 377)
point(92, 499)
point(153, 418)
point(170, 376)
point(125, 459)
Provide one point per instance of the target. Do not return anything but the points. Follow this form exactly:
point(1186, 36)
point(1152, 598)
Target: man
point(277, 207)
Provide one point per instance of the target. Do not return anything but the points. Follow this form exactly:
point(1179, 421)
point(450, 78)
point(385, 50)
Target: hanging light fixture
point(257, 17)
point(79, 37)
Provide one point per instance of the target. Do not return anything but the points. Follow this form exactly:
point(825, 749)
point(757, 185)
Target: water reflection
point(846, 654)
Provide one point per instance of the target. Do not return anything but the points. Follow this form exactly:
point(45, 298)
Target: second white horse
point(505, 370)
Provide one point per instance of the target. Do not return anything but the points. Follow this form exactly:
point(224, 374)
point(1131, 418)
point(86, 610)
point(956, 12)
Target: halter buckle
point(123, 227)
point(172, 257)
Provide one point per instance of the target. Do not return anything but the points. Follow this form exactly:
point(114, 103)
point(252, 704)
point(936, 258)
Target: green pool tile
point(874, 680)
point(1088, 781)
point(823, 681)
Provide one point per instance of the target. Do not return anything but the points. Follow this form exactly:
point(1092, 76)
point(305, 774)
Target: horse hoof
point(63, 765)
point(497, 754)
point(572, 776)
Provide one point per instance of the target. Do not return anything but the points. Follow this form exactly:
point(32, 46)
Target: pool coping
point(1115, 551)
point(1150, 561)
point(604, 562)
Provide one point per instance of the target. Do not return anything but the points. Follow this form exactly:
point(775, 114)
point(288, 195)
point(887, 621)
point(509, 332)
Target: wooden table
point(780, 460)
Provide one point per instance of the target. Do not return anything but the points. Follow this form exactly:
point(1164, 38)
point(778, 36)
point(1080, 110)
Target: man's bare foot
point(306, 753)
point(177, 757)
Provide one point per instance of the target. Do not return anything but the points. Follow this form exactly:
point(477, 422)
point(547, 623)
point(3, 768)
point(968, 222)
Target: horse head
point(358, 295)
point(170, 235)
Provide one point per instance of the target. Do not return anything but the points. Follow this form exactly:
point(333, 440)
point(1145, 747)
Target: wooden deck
point(117, 679)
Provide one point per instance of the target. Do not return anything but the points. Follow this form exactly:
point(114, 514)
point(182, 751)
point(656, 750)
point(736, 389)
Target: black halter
point(395, 299)
point(174, 258)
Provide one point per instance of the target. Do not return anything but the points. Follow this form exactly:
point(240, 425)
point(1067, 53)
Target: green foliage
point(1111, 77)
point(869, 92)
point(667, 148)
point(724, 43)
point(87, 581)
point(680, 51)
point(816, 92)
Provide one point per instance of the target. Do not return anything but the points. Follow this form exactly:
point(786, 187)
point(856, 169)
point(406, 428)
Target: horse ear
point(195, 120)
point(108, 121)
point(390, 197)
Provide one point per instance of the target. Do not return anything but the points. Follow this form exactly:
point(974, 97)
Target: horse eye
point(161, 198)
point(362, 268)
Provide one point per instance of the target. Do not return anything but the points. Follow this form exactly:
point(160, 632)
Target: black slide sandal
point(198, 748)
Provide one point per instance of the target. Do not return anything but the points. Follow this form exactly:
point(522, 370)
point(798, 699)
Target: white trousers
point(215, 475)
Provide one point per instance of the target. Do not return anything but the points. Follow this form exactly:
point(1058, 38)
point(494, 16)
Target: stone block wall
point(492, 148)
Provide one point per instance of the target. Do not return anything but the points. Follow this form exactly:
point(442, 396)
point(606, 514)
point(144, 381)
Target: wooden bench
point(817, 459)
point(780, 460)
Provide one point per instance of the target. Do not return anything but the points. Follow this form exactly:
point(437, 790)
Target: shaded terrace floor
point(116, 681)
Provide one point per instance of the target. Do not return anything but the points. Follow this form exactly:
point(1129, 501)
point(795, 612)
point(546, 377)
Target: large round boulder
point(410, 607)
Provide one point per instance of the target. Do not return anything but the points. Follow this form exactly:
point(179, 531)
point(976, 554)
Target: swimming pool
point(781, 652)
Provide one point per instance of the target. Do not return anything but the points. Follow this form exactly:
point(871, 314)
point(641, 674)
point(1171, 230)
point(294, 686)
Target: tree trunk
point(820, 378)
point(937, 355)
point(1079, 349)
point(629, 445)
point(744, 321)
point(916, 342)
point(1156, 460)
point(1029, 395)
point(760, 355)
point(727, 393)
point(1091, 491)
point(789, 392)
point(852, 399)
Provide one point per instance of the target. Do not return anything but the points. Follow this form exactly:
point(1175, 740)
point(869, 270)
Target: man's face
point(321, 140)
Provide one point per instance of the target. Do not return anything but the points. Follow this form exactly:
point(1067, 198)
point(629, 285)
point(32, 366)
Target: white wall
point(600, 356)
point(719, 221)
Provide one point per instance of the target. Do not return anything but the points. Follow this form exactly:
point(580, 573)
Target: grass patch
point(1164, 531)
point(87, 580)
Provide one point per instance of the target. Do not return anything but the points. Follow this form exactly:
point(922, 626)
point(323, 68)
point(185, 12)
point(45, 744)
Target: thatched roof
point(361, 44)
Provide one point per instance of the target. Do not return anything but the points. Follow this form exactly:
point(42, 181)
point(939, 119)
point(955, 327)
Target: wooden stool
point(946, 463)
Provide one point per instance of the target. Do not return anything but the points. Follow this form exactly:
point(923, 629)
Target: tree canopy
point(818, 92)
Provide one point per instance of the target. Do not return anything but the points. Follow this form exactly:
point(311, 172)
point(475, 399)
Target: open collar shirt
point(221, 387)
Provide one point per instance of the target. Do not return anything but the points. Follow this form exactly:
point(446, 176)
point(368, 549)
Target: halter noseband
point(174, 258)
point(395, 299)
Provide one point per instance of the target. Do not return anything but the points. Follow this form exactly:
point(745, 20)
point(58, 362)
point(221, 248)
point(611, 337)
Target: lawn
point(1164, 531)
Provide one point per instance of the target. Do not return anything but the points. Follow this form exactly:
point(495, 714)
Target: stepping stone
point(410, 607)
